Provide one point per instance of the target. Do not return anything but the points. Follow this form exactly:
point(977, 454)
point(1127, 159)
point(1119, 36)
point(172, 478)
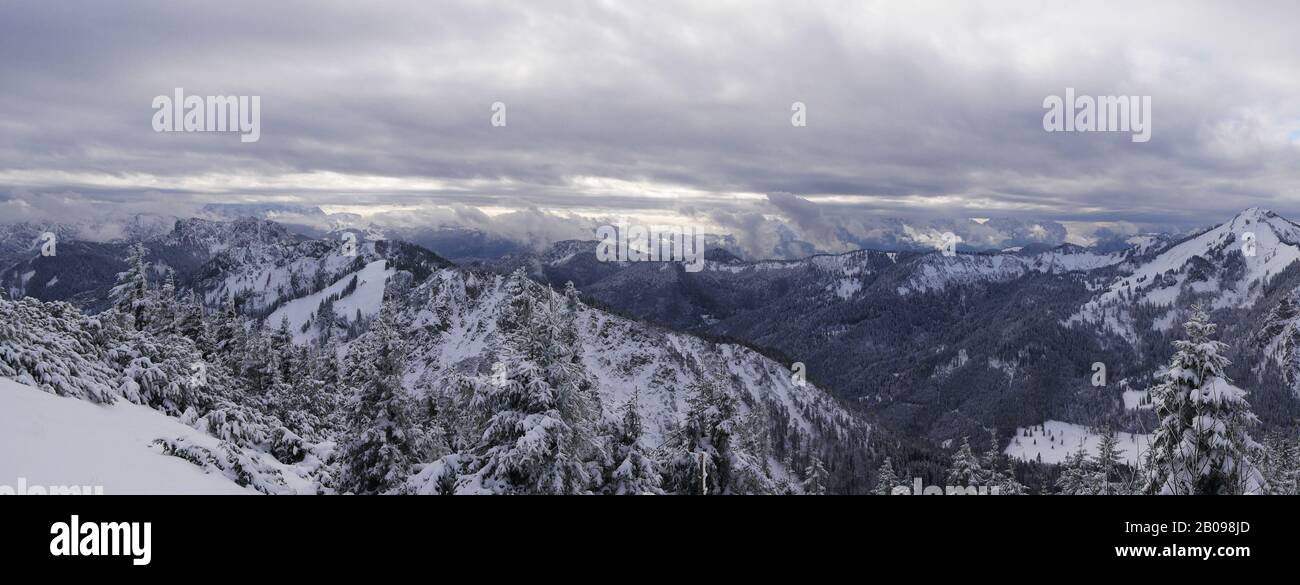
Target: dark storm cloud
point(914, 110)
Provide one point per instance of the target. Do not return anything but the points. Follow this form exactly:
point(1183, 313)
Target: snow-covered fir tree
point(815, 478)
point(131, 296)
point(1006, 483)
point(190, 320)
point(167, 306)
point(787, 484)
point(1280, 465)
point(1104, 477)
point(381, 441)
point(1202, 444)
point(886, 479)
point(53, 347)
point(635, 472)
point(965, 468)
point(998, 472)
point(1075, 473)
point(701, 460)
point(538, 413)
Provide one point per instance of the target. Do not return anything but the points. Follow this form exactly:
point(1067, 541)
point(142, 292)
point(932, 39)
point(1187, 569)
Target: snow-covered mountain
point(974, 341)
point(238, 423)
point(920, 349)
point(258, 264)
point(1228, 266)
point(21, 240)
point(453, 323)
point(935, 272)
point(664, 292)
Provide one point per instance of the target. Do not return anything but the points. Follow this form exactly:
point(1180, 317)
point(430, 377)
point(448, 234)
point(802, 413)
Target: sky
point(666, 112)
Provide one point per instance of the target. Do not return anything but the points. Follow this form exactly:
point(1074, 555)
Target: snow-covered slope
point(21, 240)
point(358, 292)
point(935, 272)
point(265, 280)
point(143, 381)
point(51, 440)
point(1054, 440)
point(1224, 267)
point(454, 335)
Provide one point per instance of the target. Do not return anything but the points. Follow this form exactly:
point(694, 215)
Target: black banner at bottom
point(766, 535)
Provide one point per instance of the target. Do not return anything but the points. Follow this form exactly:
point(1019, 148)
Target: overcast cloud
point(665, 111)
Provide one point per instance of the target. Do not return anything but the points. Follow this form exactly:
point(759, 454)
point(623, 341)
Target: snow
point(953, 365)
point(1165, 322)
point(845, 288)
point(563, 259)
point(1133, 400)
point(368, 297)
point(936, 272)
point(1275, 248)
point(55, 441)
point(266, 277)
point(1056, 440)
point(622, 356)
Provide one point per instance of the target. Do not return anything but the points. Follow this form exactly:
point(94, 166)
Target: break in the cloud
point(929, 112)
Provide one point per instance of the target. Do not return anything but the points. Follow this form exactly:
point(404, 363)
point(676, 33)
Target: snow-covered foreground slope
point(108, 376)
point(55, 441)
point(1053, 441)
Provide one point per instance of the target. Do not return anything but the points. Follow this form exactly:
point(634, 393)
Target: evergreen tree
point(965, 469)
point(701, 459)
point(886, 480)
point(285, 350)
point(1279, 465)
point(224, 337)
point(131, 296)
point(1104, 478)
point(1007, 483)
point(191, 323)
point(636, 473)
point(815, 478)
point(258, 364)
point(1201, 445)
point(997, 474)
point(1074, 474)
point(381, 440)
point(538, 418)
point(787, 483)
point(167, 309)
point(325, 320)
